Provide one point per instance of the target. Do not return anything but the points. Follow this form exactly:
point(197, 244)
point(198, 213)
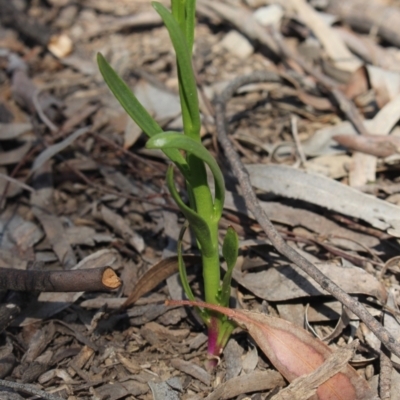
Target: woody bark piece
point(59, 281)
point(43, 209)
point(50, 303)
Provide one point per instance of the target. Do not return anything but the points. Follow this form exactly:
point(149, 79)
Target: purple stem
point(214, 348)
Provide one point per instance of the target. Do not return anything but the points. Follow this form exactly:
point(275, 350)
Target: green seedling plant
point(191, 158)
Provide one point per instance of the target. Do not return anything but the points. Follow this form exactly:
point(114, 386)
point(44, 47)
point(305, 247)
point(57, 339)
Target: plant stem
point(211, 269)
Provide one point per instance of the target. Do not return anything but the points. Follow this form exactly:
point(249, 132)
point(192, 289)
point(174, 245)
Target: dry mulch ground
point(79, 190)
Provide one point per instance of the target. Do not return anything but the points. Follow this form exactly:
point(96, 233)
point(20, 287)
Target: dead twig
point(295, 133)
point(385, 376)
point(84, 280)
point(17, 182)
point(255, 208)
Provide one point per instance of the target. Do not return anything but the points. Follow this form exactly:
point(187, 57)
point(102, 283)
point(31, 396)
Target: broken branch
point(85, 280)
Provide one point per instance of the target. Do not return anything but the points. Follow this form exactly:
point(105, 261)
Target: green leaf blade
point(187, 81)
point(134, 109)
point(197, 223)
point(127, 99)
point(230, 250)
point(190, 22)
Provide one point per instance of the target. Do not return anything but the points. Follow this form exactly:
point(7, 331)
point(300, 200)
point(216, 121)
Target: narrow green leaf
point(174, 140)
point(187, 81)
point(204, 314)
point(134, 109)
point(178, 12)
point(198, 224)
point(230, 249)
point(127, 99)
point(181, 264)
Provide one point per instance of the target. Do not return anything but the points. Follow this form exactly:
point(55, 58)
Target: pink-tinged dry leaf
point(294, 352)
point(376, 145)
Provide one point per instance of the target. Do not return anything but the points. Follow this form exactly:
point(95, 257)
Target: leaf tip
point(99, 57)
point(155, 4)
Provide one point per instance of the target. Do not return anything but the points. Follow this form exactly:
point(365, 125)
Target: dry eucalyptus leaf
point(16, 155)
point(324, 192)
point(13, 130)
point(291, 216)
point(54, 149)
point(290, 282)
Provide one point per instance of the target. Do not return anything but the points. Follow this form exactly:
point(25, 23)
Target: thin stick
point(295, 133)
point(17, 182)
point(41, 113)
point(385, 376)
point(254, 206)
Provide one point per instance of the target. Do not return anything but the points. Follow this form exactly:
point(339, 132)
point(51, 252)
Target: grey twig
point(79, 280)
point(385, 376)
point(254, 206)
